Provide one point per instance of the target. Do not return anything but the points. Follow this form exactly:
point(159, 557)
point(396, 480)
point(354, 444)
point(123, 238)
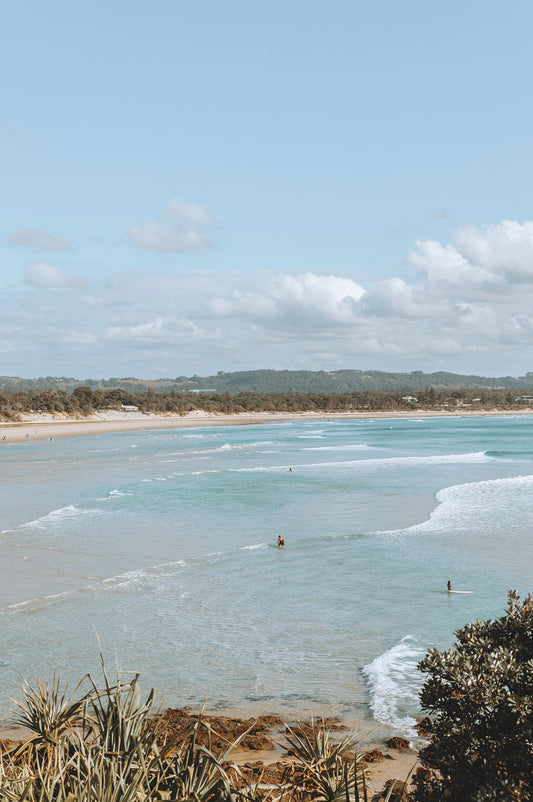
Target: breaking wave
point(394, 685)
point(55, 517)
point(477, 504)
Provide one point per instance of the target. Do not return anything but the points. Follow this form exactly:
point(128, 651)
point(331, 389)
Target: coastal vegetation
point(479, 694)
point(84, 400)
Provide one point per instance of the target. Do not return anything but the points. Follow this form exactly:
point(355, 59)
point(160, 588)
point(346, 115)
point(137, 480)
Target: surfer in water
point(449, 586)
point(281, 542)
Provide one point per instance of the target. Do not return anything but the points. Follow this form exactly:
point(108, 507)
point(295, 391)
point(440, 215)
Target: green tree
point(479, 694)
point(85, 398)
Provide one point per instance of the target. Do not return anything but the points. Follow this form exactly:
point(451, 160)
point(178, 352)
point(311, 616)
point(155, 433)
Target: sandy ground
point(49, 427)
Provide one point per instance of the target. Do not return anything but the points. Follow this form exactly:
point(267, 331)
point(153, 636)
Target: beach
point(37, 426)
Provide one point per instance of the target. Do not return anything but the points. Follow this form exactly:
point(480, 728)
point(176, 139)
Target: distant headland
point(280, 381)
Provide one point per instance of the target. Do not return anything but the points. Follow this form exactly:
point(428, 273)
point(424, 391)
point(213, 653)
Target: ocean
point(160, 548)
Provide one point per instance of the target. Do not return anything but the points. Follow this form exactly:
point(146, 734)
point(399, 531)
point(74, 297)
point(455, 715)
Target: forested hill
point(281, 381)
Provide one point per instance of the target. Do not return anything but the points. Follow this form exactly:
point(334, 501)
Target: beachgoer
point(449, 585)
point(281, 542)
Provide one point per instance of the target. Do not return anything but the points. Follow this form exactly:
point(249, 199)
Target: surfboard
point(460, 591)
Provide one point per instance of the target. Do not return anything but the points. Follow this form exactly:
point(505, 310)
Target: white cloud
point(190, 213)
point(177, 231)
point(306, 298)
point(479, 318)
point(47, 275)
point(149, 329)
point(489, 258)
point(241, 303)
point(172, 329)
point(505, 249)
point(38, 240)
point(446, 264)
point(166, 237)
point(330, 296)
point(394, 298)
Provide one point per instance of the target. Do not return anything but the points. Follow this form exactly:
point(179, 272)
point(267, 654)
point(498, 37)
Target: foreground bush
point(480, 697)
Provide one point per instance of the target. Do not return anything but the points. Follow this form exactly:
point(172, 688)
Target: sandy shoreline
point(48, 427)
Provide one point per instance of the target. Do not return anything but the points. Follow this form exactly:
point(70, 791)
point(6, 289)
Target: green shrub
point(479, 695)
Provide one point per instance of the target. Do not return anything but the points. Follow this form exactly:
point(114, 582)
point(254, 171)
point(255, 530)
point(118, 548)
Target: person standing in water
point(281, 542)
point(449, 586)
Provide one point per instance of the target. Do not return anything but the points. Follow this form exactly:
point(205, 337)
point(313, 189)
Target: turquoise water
point(164, 544)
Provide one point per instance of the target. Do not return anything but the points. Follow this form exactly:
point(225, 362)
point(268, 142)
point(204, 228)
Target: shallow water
point(164, 544)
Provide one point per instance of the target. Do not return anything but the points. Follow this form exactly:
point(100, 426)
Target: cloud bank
point(465, 305)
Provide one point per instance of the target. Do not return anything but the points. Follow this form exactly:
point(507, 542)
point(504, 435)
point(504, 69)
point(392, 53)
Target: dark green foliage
point(84, 400)
point(479, 695)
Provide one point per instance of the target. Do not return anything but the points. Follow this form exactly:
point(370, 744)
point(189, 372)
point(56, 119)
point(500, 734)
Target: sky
point(191, 186)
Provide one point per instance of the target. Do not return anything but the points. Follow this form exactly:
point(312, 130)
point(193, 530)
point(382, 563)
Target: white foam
point(57, 516)
point(218, 449)
point(394, 684)
point(254, 547)
point(476, 504)
point(364, 464)
point(432, 459)
point(349, 447)
point(113, 582)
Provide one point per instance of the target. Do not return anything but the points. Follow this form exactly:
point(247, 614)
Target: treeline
point(281, 381)
point(84, 400)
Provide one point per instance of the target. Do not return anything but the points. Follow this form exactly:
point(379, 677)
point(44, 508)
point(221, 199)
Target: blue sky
point(190, 187)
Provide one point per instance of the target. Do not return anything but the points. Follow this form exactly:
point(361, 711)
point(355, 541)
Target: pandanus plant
point(330, 771)
point(107, 746)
